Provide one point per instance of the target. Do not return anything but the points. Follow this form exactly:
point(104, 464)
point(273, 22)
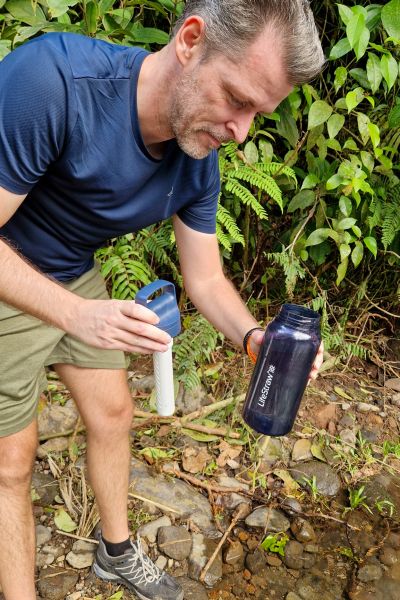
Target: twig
point(161, 506)
point(169, 470)
point(77, 537)
point(222, 431)
point(51, 436)
point(241, 513)
point(208, 410)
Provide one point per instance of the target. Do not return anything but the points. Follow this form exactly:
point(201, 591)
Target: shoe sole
point(98, 571)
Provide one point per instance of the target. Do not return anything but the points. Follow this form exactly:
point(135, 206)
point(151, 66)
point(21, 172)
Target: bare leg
point(17, 539)
point(106, 407)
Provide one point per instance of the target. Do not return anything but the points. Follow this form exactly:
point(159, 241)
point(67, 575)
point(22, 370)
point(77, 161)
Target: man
point(97, 140)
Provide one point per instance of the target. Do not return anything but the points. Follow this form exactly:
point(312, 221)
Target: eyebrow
point(231, 89)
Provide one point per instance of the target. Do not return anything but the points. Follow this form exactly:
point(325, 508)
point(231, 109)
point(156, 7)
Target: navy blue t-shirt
point(70, 139)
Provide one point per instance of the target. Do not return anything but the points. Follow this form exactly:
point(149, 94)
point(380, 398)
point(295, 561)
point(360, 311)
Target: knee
point(115, 416)
point(16, 470)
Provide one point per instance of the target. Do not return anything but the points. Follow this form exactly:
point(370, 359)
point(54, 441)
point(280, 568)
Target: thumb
point(130, 308)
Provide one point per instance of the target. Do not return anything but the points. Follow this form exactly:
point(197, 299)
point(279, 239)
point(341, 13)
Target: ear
point(189, 40)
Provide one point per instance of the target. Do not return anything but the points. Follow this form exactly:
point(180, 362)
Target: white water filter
point(166, 308)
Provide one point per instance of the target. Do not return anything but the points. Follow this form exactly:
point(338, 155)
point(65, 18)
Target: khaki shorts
point(27, 345)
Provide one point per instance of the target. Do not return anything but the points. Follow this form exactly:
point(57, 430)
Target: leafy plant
point(275, 543)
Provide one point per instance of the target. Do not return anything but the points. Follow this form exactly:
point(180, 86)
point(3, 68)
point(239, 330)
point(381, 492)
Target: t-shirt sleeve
point(201, 214)
point(37, 112)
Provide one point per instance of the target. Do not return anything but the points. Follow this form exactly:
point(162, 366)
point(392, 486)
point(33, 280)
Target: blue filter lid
point(164, 305)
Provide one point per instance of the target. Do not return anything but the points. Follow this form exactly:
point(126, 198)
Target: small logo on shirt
point(171, 192)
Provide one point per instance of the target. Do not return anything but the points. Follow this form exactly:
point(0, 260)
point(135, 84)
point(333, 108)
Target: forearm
point(222, 305)
point(25, 288)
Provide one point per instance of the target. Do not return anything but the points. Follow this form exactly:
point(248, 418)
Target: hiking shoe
point(137, 572)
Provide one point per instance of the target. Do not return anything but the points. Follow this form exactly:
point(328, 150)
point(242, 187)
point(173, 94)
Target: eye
point(236, 102)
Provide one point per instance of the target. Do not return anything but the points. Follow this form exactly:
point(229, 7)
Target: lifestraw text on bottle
point(265, 390)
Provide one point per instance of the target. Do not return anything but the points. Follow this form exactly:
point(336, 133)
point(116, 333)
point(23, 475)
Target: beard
point(185, 106)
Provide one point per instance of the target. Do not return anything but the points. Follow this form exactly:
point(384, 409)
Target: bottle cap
point(164, 305)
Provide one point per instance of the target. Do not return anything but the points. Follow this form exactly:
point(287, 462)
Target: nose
point(240, 125)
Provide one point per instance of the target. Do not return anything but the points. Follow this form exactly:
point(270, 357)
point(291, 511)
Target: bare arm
point(210, 291)
point(113, 324)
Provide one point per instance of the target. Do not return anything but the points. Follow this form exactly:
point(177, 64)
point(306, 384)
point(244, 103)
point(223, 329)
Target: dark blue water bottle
point(281, 373)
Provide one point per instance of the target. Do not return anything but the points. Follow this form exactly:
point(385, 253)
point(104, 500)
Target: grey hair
point(232, 25)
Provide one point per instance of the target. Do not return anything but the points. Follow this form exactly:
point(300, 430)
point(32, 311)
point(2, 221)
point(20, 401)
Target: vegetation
point(313, 196)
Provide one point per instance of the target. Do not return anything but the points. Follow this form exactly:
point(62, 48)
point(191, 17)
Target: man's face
point(216, 100)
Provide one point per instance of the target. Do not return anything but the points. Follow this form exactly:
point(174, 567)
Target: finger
point(144, 331)
point(131, 309)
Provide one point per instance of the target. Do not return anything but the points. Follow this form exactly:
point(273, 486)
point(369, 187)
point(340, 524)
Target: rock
point(347, 422)
point(326, 414)
point(393, 540)
point(369, 573)
point(383, 487)
point(192, 589)
point(271, 519)
point(56, 419)
point(292, 596)
point(327, 481)
point(74, 596)
point(81, 555)
point(55, 583)
point(393, 384)
point(161, 562)
point(274, 452)
point(369, 435)
point(317, 587)
point(302, 450)
point(202, 550)
point(303, 530)
point(149, 530)
point(146, 383)
point(231, 501)
point(364, 407)
point(273, 560)
point(45, 487)
point(59, 444)
point(312, 548)
point(348, 437)
point(256, 561)
point(345, 406)
point(174, 542)
point(387, 588)
point(43, 559)
point(173, 493)
point(293, 558)
point(43, 535)
point(291, 506)
point(234, 554)
point(388, 556)
point(188, 401)
point(396, 399)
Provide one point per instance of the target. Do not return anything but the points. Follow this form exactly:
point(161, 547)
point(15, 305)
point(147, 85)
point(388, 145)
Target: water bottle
point(288, 351)
point(166, 308)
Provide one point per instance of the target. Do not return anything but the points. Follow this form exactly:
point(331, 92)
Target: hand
point(257, 337)
point(117, 325)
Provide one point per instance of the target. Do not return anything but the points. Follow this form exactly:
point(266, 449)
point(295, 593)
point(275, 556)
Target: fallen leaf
point(316, 451)
point(290, 485)
point(227, 452)
point(342, 393)
point(194, 460)
point(64, 521)
point(164, 431)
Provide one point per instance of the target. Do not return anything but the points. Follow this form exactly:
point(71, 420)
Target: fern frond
point(391, 224)
point(261, 181)
point(274, 169)
point(225, 218)
point(291, 268)
point(246, 197)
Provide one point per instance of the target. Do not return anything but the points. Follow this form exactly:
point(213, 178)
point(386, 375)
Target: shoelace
point(140, 567)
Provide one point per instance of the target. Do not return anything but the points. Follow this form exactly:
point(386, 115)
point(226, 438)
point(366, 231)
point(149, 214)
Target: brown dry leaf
point(194, 460)
point(163, 431)
point(227, 452)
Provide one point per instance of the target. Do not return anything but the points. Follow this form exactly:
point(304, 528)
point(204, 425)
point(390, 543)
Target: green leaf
point(350, 144)
point(57, 8)
point(394, 117)
point(345, 206)
point(340, 49)
point(64, 521)
point(26, 11)
point(357, 254)
point(372, 245)
point(361, 77)
point(335, 124)
point(310, 182)
point(374, 133)
point(390, 70)
point(345, 251)
point(338, 390)
point(358, 34)
point(374, 71)
point(318, 236)
point(391, 18)
point(345, 12)
point(198, 436)
point(340, 78)
point(334, 182)
point(303, 199)
point(319, 113)
point(341, 271)
point(116, 596)
point(251, 152)
point(5, 48)
point(363, 121)
point(346, 223)
point(91, 16)
point(367, 160)
point(149, 35)
point(354, 98)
